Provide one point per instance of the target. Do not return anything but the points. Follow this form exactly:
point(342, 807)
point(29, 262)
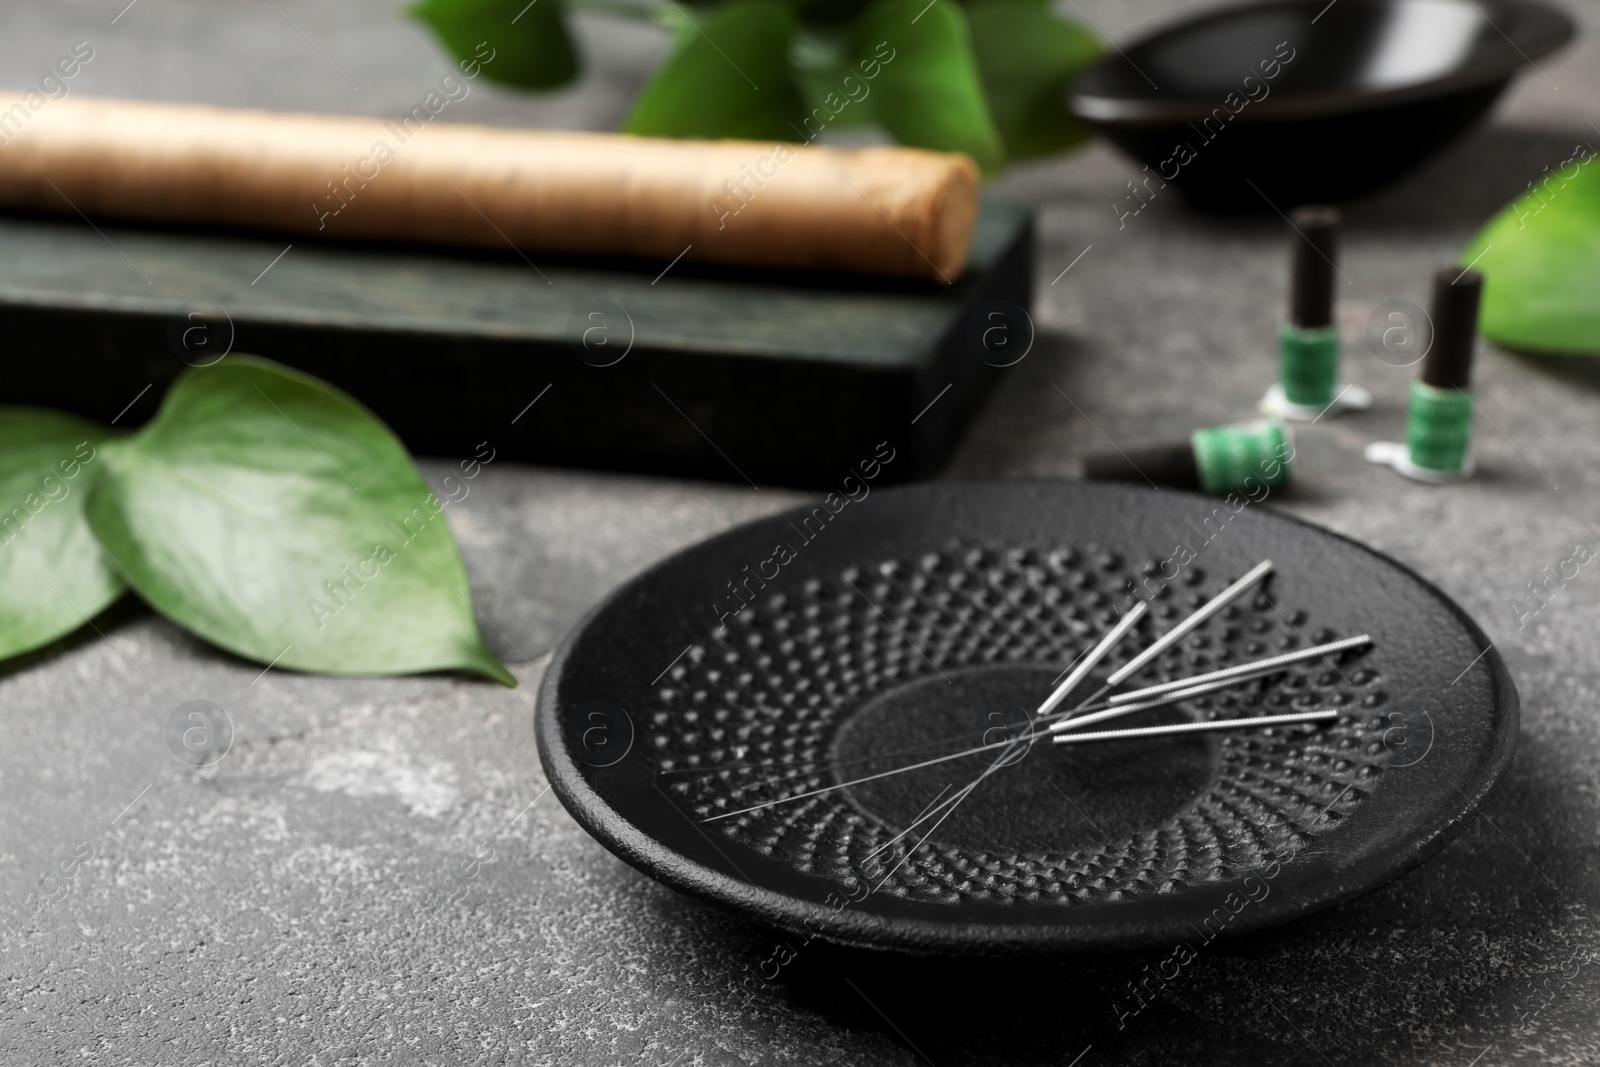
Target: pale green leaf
point(54, 576)
point(1540, 259)
point(277, 518)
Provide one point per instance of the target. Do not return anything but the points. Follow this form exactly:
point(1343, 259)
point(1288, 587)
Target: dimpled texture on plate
point(750, 714)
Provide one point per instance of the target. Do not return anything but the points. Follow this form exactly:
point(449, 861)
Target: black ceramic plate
point(922, 620)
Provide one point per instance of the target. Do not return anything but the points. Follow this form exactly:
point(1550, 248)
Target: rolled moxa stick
point(878, 210)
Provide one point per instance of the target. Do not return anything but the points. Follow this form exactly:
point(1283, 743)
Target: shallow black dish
point(1360, 93)
point(928, 618)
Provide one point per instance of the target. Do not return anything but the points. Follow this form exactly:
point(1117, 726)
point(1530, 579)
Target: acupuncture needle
point(1086, 664)
point(1066, 738)
point(1122, 704)
point(1218, 679)
point(932, 807)
point(1205, 725)
point(1095, 655)
point(1092, 660)
point(1184, 688)
point(1204, 612)
point(1172, 636)
point(1140, 699)
point(1243, 672)
point(1293, 718)
point(1095, 713)
point(1128, 703)
point(955, 802)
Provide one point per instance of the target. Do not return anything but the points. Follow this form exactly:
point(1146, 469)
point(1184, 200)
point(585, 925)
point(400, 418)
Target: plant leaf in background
point(987, 78)
point(531, 47)
point(728, 76)
point(1540, 259)
point(1027, 59)
point(274, 516)
point(54, 576)
point(928, 93)
point(822, 60)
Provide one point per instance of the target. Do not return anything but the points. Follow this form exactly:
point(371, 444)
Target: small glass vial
point(1308, 341)
point(1438, 444)
point(1252, 457)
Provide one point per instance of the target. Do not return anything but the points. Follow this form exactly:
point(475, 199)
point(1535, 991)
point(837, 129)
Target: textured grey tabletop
point(375, 874)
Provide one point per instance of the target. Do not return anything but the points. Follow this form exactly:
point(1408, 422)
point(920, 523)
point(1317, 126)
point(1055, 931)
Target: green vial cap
point(1230, 458)
point(1308, 366)
point(1438, 427)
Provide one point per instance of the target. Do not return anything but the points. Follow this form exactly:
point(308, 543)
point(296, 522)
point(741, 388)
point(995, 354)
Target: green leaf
point(729, 76)
point(1540, 259)
point(1028, 58)
point(513, 42)
point(823, 62)
point(826, 14)
point(276, 517)
point(54, 576)
point(927, 92)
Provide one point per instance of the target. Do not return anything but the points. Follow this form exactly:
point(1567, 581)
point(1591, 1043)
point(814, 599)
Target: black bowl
point(1289, 102)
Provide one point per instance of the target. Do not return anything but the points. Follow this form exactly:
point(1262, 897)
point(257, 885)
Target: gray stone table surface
point(282, 906)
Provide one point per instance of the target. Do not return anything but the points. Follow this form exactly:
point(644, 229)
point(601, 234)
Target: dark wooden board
point(732, 374)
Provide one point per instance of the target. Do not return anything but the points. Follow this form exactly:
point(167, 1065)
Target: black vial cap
point(1448, 364)
point(1316, 247)
point(1170, 465)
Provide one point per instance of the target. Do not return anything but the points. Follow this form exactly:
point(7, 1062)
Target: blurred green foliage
point(1540, 259)
point(985, 77)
